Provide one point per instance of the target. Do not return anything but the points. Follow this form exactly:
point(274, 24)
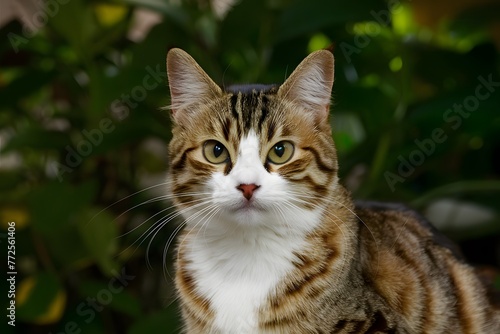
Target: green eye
point(281, 152)
point(215, 152)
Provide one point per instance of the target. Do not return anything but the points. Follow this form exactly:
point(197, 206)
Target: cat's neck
point(268, 241)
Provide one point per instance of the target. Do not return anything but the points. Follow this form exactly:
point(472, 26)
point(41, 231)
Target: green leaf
point(9, 180)
point(76, 22)
point(137, 81)
point(166, 319)
point(243, 23)
point(21, 88)
point(34, 137)
point(173, 12)
point(67, 248)
point(306, 17)
point(99, 234)
point(121, 300)
point(81, 318)
point(479, 16)
point(138, 126)
point(42, 291)
point(53, 205)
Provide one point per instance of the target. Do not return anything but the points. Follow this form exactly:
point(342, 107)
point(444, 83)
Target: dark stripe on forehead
point(263, 117)
point(264, 110)
point(271, 131)
point(250, 105)
point(234, 101)
point(254, 108)
point(247, 108)
point(226, 127)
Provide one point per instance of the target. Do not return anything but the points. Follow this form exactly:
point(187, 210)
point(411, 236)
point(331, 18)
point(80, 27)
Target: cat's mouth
point(248, 207)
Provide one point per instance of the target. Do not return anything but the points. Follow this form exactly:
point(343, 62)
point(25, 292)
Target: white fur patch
point(240, 254)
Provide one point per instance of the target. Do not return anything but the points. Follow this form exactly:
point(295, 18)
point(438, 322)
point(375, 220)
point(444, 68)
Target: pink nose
point(247, 189)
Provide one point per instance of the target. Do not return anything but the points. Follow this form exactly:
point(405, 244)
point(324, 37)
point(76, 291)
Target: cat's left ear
point(189, 85)
point(310, 85)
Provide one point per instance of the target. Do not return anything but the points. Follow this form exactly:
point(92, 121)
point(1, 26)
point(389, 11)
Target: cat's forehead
point(257, 108)
point(252, 107)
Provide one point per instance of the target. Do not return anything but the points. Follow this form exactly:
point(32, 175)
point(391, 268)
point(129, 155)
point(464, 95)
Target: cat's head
point(251, 155)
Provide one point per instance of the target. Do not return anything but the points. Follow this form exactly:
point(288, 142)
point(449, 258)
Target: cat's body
point(274, 244)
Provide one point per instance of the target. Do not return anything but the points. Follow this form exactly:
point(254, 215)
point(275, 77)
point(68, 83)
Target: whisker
point(156, 226)
point(212, 213)
point(165, 221)
point(193, 228)
point(166, 209)
point(136, 193)
point(170, 239)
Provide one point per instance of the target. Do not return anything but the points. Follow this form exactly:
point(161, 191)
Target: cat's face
point(251, 155)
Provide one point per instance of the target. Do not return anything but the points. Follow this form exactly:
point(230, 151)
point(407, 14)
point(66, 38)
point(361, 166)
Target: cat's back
point(421, 274)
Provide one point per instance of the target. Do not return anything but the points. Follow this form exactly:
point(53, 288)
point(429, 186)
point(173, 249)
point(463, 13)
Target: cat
point(273, 243)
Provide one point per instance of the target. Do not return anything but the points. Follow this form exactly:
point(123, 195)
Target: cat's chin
point(247, 214)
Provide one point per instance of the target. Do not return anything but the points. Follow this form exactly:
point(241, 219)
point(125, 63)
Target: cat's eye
point(281, 152)
point(215, 152)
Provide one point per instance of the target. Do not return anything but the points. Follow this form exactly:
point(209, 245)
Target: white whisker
point(136, 193)
point(166, 220)
point(154, 229)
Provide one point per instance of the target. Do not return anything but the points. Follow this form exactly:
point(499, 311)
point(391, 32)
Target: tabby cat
point(273, 242)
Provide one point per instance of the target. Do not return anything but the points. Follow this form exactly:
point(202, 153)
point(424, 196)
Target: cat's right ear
point(189, 85)
point(310, 84)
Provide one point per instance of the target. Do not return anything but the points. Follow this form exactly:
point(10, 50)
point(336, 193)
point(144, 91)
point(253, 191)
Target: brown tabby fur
point(369, 268)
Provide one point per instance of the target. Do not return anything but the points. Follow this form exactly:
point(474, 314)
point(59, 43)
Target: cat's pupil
point(279, 150)
point(218, 149)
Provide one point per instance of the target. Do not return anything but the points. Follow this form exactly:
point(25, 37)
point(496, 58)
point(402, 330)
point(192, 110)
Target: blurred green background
point(83, 141)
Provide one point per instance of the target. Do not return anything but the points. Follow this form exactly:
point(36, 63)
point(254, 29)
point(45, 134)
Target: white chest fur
point(238, 271)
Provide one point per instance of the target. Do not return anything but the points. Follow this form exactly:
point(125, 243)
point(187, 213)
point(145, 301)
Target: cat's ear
point(189, 85)
point(310, 85)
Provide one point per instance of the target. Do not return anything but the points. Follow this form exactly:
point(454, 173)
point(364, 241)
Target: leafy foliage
point(83, 138)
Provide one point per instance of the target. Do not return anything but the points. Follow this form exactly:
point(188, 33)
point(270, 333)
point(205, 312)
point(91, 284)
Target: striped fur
point(300, 257)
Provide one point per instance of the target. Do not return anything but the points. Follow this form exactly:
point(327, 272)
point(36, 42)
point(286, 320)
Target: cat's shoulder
point(403, 218)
